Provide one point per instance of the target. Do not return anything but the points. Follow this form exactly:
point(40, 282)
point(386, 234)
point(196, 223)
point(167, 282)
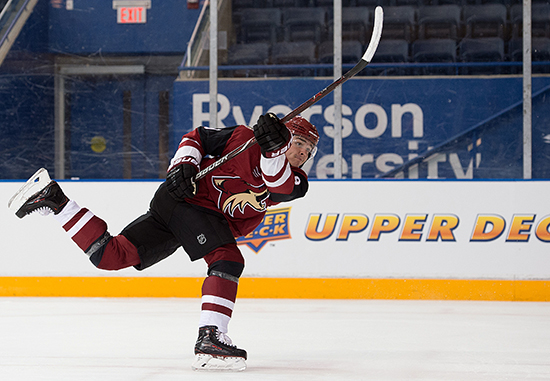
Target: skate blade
point(211, 363)
point(36, 183)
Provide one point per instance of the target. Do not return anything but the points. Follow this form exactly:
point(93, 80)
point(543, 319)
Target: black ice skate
point(214, 351)
point(40, 194)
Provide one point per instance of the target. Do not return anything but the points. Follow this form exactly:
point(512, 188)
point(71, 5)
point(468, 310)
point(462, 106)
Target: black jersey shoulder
point(213, 140)
point(301, 187)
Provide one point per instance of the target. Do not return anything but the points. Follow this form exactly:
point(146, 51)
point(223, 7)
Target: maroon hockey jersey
point(246, 185)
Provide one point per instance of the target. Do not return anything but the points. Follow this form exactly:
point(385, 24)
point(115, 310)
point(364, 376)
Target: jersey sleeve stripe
point(272, 166)
point(186, 151)
point(279, 181)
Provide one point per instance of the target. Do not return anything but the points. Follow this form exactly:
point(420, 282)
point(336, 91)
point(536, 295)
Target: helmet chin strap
point(304, 162)
point(309, 157)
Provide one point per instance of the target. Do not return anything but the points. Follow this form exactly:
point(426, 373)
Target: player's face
point(299, 151)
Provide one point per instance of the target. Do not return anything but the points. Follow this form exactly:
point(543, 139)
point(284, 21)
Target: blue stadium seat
point(399, 23)
point(294, 53)
point(260, 25)
point(248, 54)
point(487, 20)
point(507, 3)
point(434, 51)
point(488, 49)
point(540, 20)
point(450, 2)
point(356, 24)
point(304, 24)
point(241, 4)
point(288, 3)
point(345, 3)
point(401, 3)
point(540, 51)
point(352, 51)
point(391, 51)
point(439, 21)
point(368, 3)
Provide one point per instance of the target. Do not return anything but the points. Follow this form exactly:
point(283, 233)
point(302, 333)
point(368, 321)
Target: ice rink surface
point(152, 339)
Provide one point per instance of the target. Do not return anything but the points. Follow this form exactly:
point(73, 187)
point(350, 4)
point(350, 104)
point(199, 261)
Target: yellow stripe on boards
point(101, 286)
point(292, 288)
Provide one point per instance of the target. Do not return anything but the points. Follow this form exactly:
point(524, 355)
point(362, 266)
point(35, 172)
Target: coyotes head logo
point(235, 194)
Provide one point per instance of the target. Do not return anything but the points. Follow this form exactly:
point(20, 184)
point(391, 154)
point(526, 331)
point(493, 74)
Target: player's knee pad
point(226, 269)
point(226, 259)
point(96, 249)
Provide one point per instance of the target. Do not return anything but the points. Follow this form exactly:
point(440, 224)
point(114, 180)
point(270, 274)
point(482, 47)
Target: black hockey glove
point(272, 135)
point(179, 182)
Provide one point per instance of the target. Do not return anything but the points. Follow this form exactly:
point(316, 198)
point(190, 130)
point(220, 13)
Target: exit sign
point(131, 11)
point(131, 15)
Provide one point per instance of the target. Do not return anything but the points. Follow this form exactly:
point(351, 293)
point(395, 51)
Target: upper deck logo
point(273, 227)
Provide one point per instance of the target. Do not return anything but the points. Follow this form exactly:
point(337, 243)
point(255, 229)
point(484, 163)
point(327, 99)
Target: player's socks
point(218, 301)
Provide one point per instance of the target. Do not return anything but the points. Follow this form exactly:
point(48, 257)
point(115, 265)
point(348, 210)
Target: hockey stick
point(365, 60)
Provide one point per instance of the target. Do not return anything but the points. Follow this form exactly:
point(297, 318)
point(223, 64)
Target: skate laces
point(222, 337)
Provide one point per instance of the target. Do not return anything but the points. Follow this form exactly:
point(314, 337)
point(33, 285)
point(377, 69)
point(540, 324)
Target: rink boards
point(464, 240)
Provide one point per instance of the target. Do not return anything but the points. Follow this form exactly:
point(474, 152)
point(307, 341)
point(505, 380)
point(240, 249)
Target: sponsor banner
point(341, 229)
point(423, 229)
point(273, 227)
point(388, 121)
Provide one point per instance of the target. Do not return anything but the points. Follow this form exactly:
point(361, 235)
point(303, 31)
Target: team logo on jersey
point(273, 227)
point(235, 194)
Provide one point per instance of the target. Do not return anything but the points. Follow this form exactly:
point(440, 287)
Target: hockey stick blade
point(376, 35)
point(365, 60)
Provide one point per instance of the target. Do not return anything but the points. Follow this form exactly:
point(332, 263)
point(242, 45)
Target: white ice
point(152, 339)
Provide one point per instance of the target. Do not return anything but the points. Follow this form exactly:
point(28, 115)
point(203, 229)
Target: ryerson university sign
point(370, 121)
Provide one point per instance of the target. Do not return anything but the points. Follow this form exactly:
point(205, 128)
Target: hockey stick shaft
point(365, 60)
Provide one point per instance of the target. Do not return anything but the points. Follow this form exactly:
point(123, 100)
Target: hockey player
point(204, 217)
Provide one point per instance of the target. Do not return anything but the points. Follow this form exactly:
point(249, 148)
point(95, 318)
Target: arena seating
point(479, 30)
